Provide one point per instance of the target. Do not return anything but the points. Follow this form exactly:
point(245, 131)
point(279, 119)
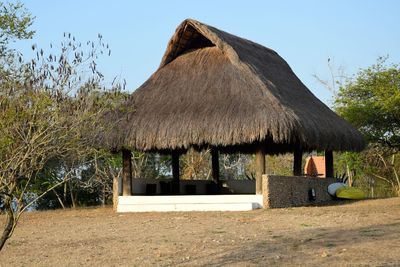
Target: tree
point(14, 24)
point(15, 21)
point(50, 109)
point(196, 165)
point(371, 102)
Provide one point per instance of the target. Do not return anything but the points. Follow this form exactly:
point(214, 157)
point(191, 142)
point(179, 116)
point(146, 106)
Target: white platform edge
point(189, 203)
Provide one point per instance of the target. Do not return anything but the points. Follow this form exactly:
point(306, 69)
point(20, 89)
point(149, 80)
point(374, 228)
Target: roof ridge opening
point(189, 39)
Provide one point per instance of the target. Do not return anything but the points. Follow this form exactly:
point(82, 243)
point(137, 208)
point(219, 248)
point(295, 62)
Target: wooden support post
point(126, 172)
point(215, 167)
point(297, 162)
point(175, 173)
point(260, 168)
point(115, 192)
point(329, 164)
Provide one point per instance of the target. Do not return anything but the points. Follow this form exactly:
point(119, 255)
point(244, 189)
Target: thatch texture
point(216, 89)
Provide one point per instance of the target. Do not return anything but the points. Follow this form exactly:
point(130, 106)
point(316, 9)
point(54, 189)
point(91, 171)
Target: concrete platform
point(189, 203)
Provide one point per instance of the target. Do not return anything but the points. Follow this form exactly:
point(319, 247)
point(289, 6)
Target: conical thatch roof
point(216, 89)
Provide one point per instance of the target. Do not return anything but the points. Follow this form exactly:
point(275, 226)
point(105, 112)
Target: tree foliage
point(15, 21)
point(371, 102)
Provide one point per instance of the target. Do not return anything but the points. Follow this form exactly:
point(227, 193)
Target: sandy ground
point(365, 233)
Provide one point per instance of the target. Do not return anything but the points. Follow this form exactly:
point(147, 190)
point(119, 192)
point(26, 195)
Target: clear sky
point(305, 33)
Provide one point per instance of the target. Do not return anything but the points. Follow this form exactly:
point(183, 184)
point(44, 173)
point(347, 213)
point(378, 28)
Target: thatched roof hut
point(214, 89)
point(219, 91)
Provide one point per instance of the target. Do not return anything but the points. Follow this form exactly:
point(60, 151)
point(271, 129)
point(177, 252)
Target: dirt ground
point(365, 233)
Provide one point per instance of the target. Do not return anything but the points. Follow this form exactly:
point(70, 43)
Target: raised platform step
point(189, 203)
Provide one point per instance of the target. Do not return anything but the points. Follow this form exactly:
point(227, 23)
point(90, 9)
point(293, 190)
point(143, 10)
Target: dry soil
point(364, 233)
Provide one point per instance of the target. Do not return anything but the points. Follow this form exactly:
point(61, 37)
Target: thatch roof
point(216, 89)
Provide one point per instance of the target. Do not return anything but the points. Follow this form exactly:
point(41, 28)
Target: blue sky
point(305, 33)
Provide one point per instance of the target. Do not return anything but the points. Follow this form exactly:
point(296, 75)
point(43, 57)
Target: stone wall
point(291, 191)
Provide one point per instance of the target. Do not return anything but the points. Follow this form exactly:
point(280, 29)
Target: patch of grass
point(330, 245)
point(367, 230)
point(370, 232)
point(218, 231)
point(305, 225)
point(320, 235)
point(264, 243)
point(307, 240)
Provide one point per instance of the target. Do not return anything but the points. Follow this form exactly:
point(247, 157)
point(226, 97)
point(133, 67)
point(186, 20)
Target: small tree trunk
point(10, 221)
point(396, 175)
point(73, 196)
point(103, 196)
point(59, 199)
point(73, 200)
point(65, 191)
point(349, 175)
